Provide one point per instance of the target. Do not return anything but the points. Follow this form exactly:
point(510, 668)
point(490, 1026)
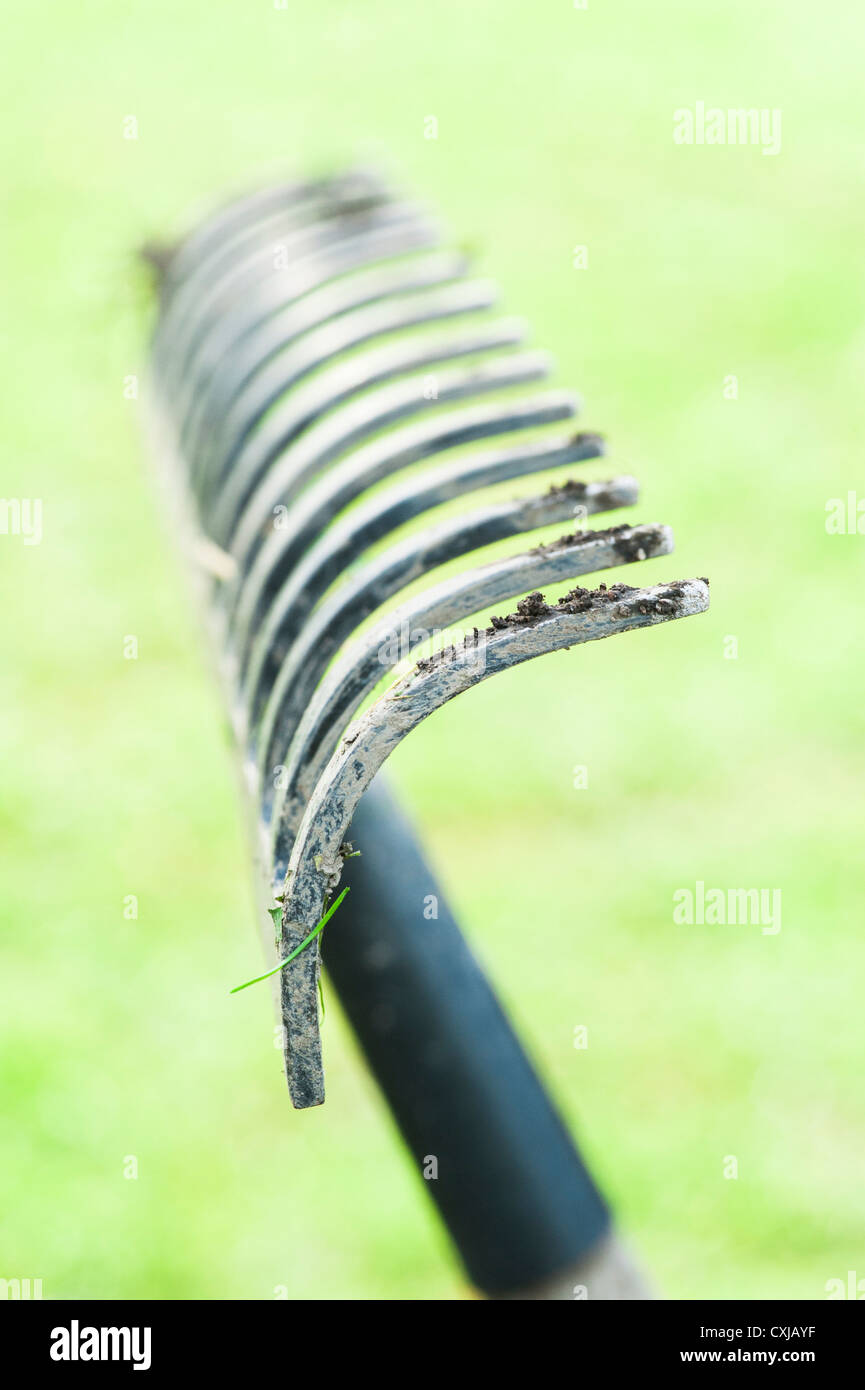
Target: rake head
point(310, 350)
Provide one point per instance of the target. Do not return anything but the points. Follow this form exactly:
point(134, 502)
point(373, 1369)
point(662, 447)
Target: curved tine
point(232, 264)
point(229, 259)
point(325, 498)
point(316, 861)
point(360, 668)
point(251, 214)
point(269, 470)
point(340, 546)
point(285, 288)
point(313, 351)
point(287, 298)
point(244, 513)
point(275, 262)
point(396, 636)
point(322, 345)
point(283, 270)
point(222, 230)
point(216, 390)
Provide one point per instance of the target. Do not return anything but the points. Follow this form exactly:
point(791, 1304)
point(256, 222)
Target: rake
point(316, 342)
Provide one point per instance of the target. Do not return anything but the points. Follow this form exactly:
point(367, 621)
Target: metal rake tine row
point(267, 469)
point(242, 359)
point(322, 345)
point(248, 223)
point(285, 262)
point(369, 522)
point(281, 289)
point(208, 254)
point(346, 480)
point(292, 391)
point(284, 689)
point(216, 236)
point(366, 662)
point(361, 419)
point(275, 284)
point(231, 262)
point(316, 860)
point(282, 295)
point(222, 234)
point(357, 673)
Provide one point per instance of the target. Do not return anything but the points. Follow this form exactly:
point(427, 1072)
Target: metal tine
point(252, 277)
point(320, 346)
point(217, 389)
point(280, 287)
point(265, 471)
point(342, 544)
point(200, 256)
point(358, 670)
point(279, 398)
point(316, 860)
point(228, 263)
point(246, 506)
point(401, 631)
point(346, 480)
point(222, 234)
point(221, 260)
point(287, 294)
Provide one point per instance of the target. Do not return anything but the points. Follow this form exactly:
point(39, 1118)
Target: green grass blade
point(297, 950)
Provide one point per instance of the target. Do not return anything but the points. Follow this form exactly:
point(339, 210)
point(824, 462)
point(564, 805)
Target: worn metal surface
point(321, 345)
point(306, 659)
point(243, 358)
point(315, 866)
point(266, 473)
point(298, 381)
point(337, 487)
point(309, 729)
point(293, 569)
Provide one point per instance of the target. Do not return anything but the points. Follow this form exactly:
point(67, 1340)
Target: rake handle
point(511, 1188)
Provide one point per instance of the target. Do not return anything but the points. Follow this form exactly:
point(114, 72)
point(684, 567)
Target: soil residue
point(626, 544)
point(534, 608)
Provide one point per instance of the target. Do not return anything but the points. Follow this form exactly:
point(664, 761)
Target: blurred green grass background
point(119, 1037)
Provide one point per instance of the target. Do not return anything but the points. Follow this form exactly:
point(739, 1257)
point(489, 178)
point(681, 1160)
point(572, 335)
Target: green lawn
point(119, 1039)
